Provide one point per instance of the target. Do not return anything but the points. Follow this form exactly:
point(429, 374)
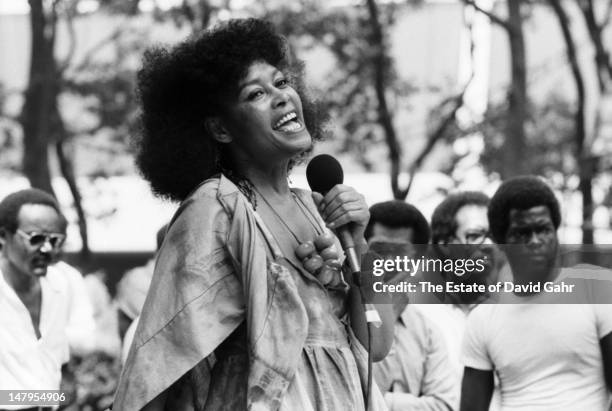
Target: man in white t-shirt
point(548, 357)
point(35, 299)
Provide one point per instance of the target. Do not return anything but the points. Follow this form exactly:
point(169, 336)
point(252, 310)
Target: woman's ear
point(217, 130)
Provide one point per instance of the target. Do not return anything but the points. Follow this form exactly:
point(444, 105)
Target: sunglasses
point(477, 237)
point(38, 239)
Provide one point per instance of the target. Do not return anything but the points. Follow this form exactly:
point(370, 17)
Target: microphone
point(323, 173)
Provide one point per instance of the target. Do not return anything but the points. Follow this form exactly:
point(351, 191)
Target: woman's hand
point(343, 206)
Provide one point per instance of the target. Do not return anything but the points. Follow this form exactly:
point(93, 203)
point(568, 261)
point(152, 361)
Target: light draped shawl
point(198, 298)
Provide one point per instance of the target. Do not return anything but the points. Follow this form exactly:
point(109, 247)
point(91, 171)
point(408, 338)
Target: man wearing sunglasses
point(34, 302)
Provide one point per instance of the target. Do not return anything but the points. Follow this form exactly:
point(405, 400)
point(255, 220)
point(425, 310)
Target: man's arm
point(606, 353)
point(476, 389)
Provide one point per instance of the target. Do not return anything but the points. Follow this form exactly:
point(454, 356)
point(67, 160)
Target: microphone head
point(323, 172)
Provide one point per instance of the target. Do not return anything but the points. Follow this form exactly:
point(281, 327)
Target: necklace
point(280, 218)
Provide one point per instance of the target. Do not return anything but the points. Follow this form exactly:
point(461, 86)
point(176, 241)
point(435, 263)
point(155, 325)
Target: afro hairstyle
point(520, 193)
point(179, 88)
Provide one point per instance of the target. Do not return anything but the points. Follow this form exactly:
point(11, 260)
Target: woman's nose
point(280, 97)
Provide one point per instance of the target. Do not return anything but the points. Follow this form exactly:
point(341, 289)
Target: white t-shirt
point(28, 363)
point(547, 356)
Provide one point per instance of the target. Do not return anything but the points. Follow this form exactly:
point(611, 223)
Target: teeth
point(291, 127)
point(287, 117)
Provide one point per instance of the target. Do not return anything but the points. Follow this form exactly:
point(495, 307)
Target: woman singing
point(240, 314)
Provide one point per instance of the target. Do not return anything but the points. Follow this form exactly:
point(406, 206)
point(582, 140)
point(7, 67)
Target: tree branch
point(379, 65)
point(86, 131)
point(99, 46)
point(67, 170)
point(437, 135)
point(607, 16)
point(493, 17)
point(447, 121)
point(582, 151)
point(53, 20)
point(602, 56)
point(72, 41)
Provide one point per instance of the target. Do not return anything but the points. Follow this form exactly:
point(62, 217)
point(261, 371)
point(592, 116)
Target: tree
point(585, 163)
point(596, 29)
point(363, 92)
point(515, 138)
point(40, 96)
point(50, 78)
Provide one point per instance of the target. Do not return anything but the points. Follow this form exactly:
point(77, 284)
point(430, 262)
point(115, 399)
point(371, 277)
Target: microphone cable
point(372, 320)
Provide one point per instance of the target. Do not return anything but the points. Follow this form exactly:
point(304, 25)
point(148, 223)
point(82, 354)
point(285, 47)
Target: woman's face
point(266, 121)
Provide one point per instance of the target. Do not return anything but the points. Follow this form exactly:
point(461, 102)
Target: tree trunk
point(515, 142)
point(385, 118)
point(38, 99)
point(67, 170)
point(602, 57)
point(585, 166)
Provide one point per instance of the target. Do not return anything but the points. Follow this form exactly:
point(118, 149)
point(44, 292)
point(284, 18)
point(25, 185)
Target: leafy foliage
point(550, 139)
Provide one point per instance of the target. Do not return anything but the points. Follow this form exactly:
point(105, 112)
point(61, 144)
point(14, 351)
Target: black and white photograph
point(306, 205)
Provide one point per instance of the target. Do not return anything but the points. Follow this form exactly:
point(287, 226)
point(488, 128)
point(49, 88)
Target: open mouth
point(288, 122)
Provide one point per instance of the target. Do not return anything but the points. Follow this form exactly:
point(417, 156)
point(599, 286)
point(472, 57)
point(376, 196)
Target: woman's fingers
point(343, 205)
point(317, 198)
point(336, 197)
point(353, 209)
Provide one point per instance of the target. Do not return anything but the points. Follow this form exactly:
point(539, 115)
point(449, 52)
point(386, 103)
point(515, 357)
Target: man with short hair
point(34, 301)
point(415, 375)
point(397, 220)
point(546, 356)
point(460, 230)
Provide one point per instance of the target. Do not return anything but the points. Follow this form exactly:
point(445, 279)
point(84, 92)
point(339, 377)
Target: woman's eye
point(282, 82)
point(254, 94)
